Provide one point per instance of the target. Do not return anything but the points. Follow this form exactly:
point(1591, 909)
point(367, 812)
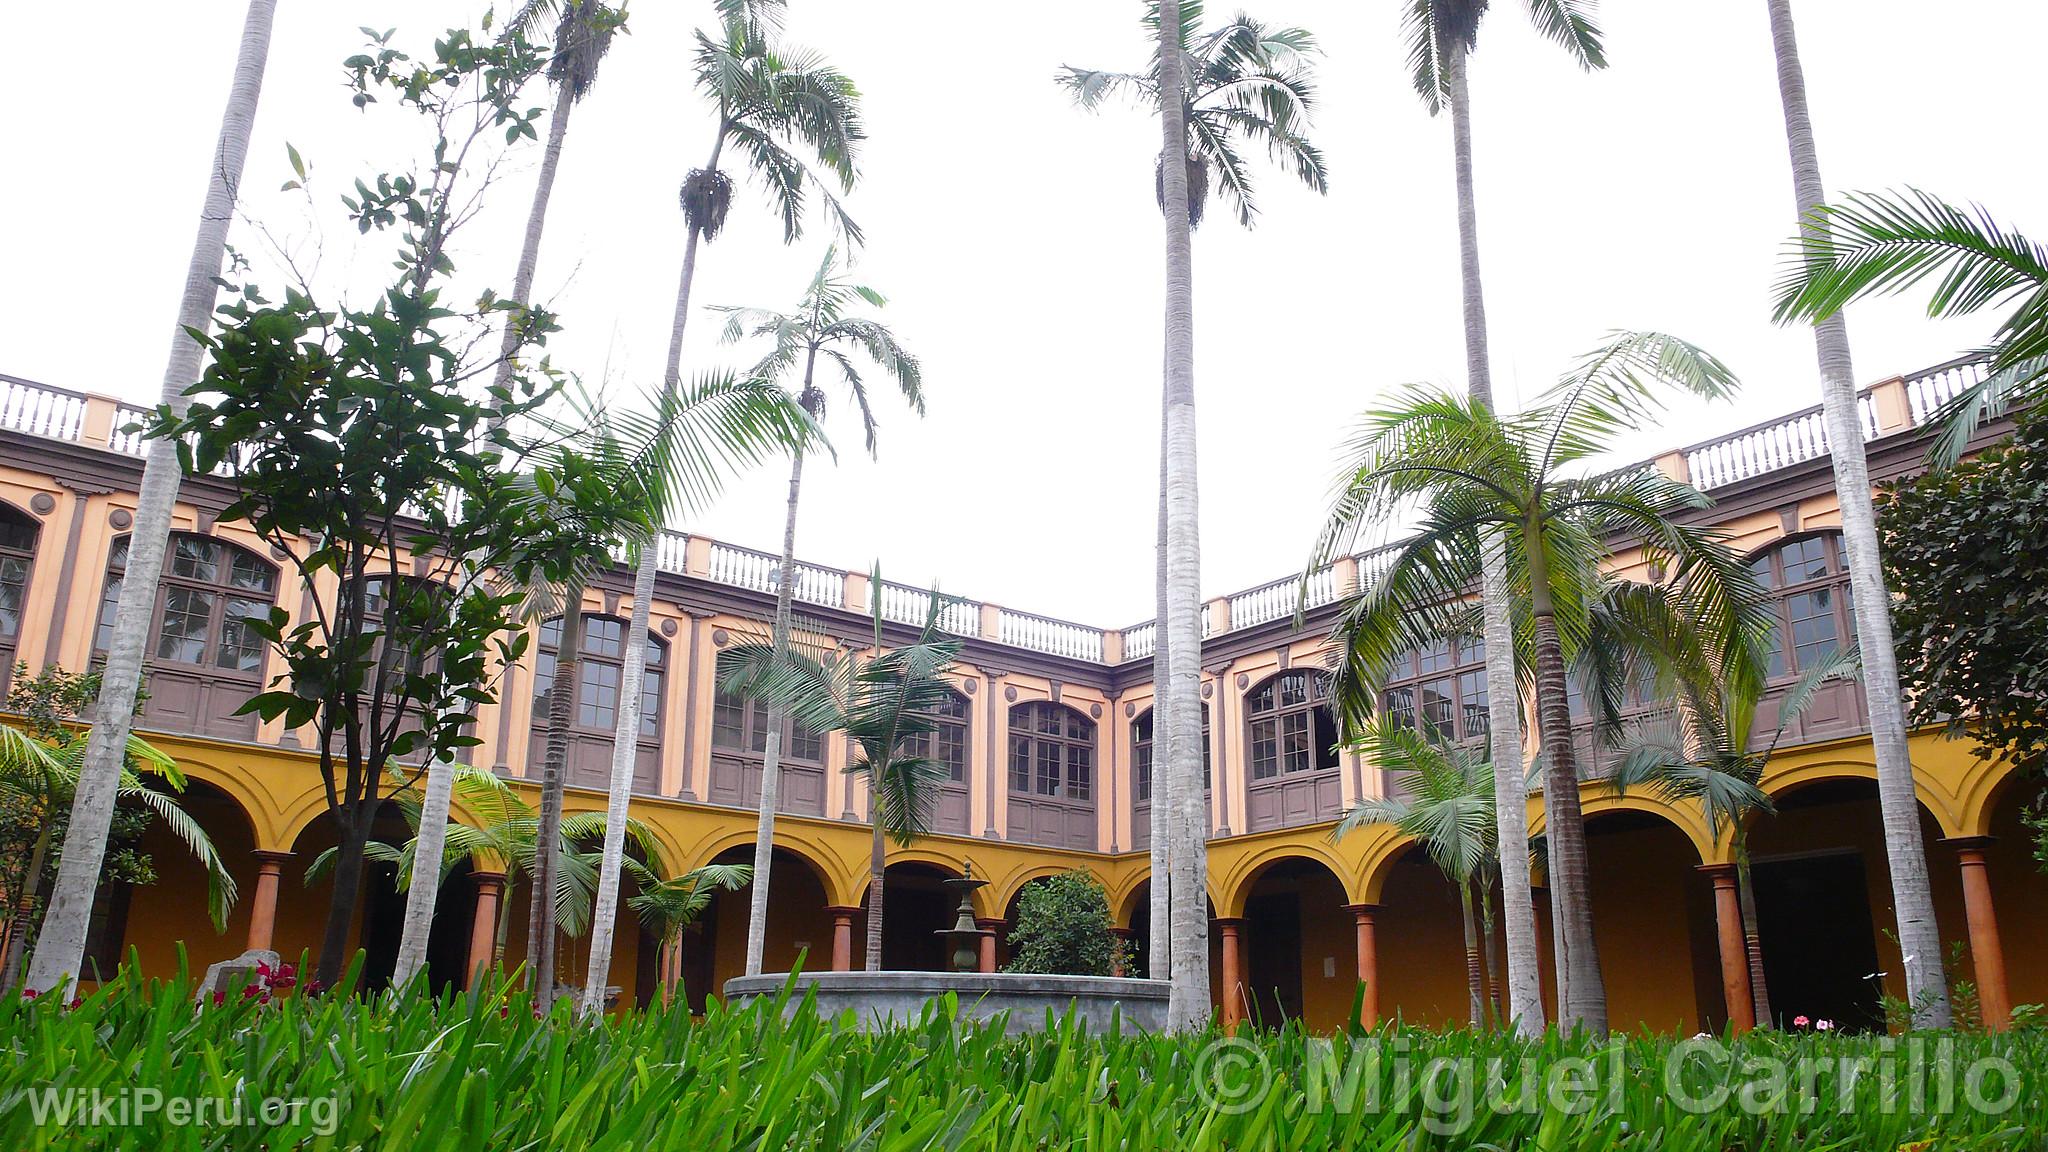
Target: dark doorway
point(1819, 941)
point(916, 908)
point(1272, 944)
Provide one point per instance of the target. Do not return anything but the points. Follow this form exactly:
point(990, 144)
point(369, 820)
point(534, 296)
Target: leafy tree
point(1442, 36)
point(825, 323)
point(39, 771)
point(60, 947)
point(357, 427)
point(668, 907)
point(1064, 928)
point(1841, 417)
point(1964, 548)
point(1520, 479)
point(886, 702)
point(1448, 811)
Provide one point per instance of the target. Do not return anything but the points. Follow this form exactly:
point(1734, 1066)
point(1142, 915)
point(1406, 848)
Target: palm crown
point(772, 98)
point(1435, 28)
point(822, 326)
point(1245, 83)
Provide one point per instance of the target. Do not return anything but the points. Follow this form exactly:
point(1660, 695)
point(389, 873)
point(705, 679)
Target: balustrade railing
point(906, 605)
point(41, 410)
point(1045, 634)
point(1928, 391)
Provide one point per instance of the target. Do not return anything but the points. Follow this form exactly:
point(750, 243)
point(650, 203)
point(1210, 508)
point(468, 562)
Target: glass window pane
point(187, 624)
point(241, 649)
point(1048, 768)
point(650, 704)
point(1438, 706)
point(1296, 752)
point(117, 553)
point(13, 586)
point(17, 532)
point(543, 675)
point(1398, 704)
point(247, 572)
point(597, 704)
point(1080, 773)
point(195, 558)
point(1472, 700)
point(1020, 763)
point(1265, 741)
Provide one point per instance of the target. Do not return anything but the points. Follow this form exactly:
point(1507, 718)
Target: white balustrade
point(41, 410)
point(1927, 392)
point(1045, 634)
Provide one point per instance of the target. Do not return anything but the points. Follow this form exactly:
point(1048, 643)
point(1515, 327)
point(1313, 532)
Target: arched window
point(1141, 775)
point(205, 660)
point(594, 715)
point(1052, 775)
point(1440, 687)
point(1141, 755)
point(1809, 581)
point(1291, 741)
point(18, 532)
point(948, 745)
point(739, 746)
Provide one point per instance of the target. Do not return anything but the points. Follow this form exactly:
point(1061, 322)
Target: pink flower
point(1800, 1021)
point(1824, 1025)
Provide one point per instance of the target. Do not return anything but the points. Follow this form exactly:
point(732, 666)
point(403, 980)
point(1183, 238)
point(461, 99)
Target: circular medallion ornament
point(1130, 710)
point(120, 518)
point(719, 636)
point(1010, 694)
point(668, 627)
point(1095, 711)
point(42, 503)
point(970, 686)
point(1243, 681)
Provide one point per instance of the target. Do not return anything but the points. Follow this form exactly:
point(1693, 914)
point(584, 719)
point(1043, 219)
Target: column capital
point(484, 876)
point(846, 910)
point(1230, 924)
point(1362, 911)
point(271, 857)
point(1717, 872)
point(1977, 844)
point(991, 923)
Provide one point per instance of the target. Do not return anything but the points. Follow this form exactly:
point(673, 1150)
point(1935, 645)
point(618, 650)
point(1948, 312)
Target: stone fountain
point(874, 1001)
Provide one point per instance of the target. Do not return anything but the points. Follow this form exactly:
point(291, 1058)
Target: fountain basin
point(880, 1000)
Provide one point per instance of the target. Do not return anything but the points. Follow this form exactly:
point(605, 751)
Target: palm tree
point(771, 99)
point(1484, 481)
point(1705, 751)
point(39, 771)
point(1875, 244)
point(1441, 36)
point(1912, 893)
point(1242, 83)
point(667, 907)
point(60, 947)
point(821, 325)
point(583, 35)
point(1449, 812)
point(676, 461)
point(887, 704)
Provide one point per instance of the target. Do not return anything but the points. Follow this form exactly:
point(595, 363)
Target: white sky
point(1019, 244)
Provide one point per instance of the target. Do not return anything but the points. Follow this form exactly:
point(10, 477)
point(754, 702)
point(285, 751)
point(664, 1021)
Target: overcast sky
point(1017, 239)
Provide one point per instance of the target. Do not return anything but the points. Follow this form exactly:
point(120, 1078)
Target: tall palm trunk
point(1582, 992)
point(619, 791)
point(1475, 986)
point(877, 872)
point(626, 734)
point(771, 756)
point(25, 906)
point(1510, 791)
point(1179, 699)
point(1752, 943)
point(1905, 853)
point(1160, 961)
point(60, 947)
point(1491, 949)
point(547, 834)
point(430, 845)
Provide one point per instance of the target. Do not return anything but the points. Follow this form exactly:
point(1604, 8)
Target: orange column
point(842, 937)
point(1233, 973)
point(263, 902)
point(1735, 990)
point(483, 925)
point(1987, 952)
point(988, 942)
point(1368, 963)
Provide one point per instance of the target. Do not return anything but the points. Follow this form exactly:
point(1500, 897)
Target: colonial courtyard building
point(1048, 738)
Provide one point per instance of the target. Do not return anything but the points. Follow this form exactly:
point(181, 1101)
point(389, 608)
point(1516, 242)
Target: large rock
point(225, 974)
point(891, 999)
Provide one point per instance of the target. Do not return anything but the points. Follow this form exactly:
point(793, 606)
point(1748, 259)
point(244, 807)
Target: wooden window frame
point(221, 588)
point(657, 666)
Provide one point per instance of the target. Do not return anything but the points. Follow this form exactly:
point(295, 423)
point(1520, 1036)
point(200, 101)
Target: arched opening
point(1299, 947)
point(2019, 891)
point(380, 908)
point(1291, 752)
point(915, 909)
point(594, 713)
point(155, 919)
point(204, 661)
point(1824, 903)
point(18, 534)
point(1653, 923)
point(1137, 918)
point(1052, 775)
point(799, 929)
point(1420, 937)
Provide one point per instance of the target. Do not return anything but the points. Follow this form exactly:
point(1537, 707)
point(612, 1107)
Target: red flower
point(251, 991)
point(220, 996)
